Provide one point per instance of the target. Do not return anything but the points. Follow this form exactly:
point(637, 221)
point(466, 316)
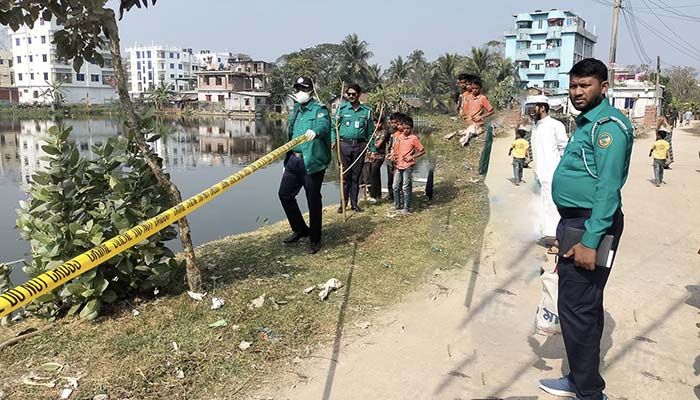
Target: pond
point(196, 152)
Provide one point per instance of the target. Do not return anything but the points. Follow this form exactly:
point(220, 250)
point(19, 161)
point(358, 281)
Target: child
point(660, 151)
point(407, 148)
point(475, 109)
point(519, 151)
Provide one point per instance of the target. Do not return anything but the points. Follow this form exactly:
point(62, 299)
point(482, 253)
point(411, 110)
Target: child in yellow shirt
point(519, 151)
point(659, 150)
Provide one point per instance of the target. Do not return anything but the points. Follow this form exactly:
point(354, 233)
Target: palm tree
point(432, 90)
point(398, 70)
point(374, 77)
point(480, 61)
point(160, 95)
point(55, 93)
point(417, 65)
point(355, 57)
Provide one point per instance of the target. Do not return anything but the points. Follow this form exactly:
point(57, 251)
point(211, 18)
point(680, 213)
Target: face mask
point(302, 97)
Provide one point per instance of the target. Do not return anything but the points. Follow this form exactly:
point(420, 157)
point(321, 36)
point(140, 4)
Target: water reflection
point(196, 152)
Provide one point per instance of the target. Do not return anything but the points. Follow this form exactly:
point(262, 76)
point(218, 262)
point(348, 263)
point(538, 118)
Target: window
point(43, 40)
point(172, 66)
point(17, 42)
point(221, 97)
point(80, 77)
point(540, 24)
point(150, 75)
point(178, 55)
point(138, 64)
point(138, 54)
point(148, 54)
point(31, 58)
point(629, 103)
point(29, 40)
point(44, 58)
point(150, 66)
point(206, 80)
point(537, 67)
point(179, 66)
point(35, 94)
point(172, 55)
point(218, 80)
point(46, 76)
point(19, 59)
point(247, 102)
point(172, 76)
point(207, 98)
point(31, 76)
point(94, 78)
point(19, 77)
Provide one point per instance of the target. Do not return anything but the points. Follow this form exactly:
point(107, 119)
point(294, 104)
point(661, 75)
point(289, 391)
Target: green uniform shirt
point(593, 170)
point(355, 124)
point(312, 115)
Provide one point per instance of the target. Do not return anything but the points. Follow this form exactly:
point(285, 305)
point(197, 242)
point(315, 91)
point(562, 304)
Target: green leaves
point(76, 204)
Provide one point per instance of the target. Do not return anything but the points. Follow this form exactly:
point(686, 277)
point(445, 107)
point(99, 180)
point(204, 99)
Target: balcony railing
point(553, 53)
point(551, 74)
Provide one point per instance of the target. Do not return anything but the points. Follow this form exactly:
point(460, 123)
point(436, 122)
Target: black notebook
point(605, 253)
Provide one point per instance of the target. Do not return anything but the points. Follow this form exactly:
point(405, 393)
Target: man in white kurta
point(549, 139)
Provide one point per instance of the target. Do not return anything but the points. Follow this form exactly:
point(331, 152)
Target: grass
point(128, 356)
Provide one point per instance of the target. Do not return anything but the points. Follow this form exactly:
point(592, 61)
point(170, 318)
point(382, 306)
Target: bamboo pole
point(337, 146)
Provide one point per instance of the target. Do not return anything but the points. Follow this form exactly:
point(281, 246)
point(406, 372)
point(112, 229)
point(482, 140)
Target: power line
point(669, 41)
point(633, 31)
point(669, 28)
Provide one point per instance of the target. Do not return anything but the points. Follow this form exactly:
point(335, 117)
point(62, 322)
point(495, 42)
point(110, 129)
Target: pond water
point(197, 153)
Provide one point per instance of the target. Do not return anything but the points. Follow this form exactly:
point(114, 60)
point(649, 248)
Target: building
point(150, 66)
point(6, 78)
point(214, 87)
point(247, 101)
point(37, 69)
point(633, 97)
point(544, 45)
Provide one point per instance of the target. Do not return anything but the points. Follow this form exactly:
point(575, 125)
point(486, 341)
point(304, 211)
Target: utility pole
point(613, 46)
point(658, 88)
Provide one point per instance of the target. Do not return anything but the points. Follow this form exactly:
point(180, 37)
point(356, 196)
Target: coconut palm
point(160, 95)
point(355, 56)
point(480, 61)
point(374, 77)
point(398, 70)
point(55, 93)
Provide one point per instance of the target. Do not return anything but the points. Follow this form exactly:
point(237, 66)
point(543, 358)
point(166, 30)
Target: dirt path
point(468, 335)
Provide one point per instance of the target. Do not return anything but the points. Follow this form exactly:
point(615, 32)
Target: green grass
point(133, 357)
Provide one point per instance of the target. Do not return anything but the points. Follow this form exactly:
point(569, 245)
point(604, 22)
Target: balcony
point(522, 54)
point(554, 32)
point(533, 71)
point(553, 53)
point(535, 50)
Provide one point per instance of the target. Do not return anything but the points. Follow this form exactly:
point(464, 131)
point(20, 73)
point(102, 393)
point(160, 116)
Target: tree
point(480, 61)
point(418, 66)
point(86, 25)
point(55, 93)
point(160, 95)
point(683, 84)
point(398, 70)
point(356, 56)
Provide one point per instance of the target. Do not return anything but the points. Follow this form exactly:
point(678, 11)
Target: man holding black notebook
point(586, 189)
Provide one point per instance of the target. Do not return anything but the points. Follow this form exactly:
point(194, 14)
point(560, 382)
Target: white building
point(36, 68)
point(247, 101)
point(149, 66)
point(632, 97)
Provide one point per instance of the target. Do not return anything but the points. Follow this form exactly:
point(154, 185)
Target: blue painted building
point(544, 45)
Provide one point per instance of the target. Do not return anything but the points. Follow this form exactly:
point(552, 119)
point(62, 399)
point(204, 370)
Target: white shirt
point(549, 140)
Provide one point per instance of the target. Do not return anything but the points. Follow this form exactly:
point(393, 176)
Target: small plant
point(77, 204)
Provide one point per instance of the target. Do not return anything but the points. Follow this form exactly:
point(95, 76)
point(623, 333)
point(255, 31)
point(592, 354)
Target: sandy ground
point(472, 338)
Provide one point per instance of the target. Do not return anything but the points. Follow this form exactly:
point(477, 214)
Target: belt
point(298, 154)
point(353, 141)
point(571, 212)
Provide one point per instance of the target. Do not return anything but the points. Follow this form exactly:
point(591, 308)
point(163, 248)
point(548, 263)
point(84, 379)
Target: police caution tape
point(44, 283)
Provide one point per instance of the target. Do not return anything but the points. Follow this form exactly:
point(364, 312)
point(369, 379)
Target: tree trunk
point(194, 276)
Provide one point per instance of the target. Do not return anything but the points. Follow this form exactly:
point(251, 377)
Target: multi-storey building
point(37, 69)
point(6, 78)
point(544, 45)
point(149, 66)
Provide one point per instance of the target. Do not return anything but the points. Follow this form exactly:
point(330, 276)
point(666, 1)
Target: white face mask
point(302, 97)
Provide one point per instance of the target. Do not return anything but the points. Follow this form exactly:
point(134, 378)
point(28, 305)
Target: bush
point(76, 204)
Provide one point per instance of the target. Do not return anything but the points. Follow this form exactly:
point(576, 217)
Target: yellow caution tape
point(46, 282)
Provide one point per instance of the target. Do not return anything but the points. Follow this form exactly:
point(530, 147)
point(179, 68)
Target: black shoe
point(314, 248)
point(294, 237)
point(340, 210)
point(357, 209)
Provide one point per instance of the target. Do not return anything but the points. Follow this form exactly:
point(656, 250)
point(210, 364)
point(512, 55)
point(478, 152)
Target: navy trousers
point(581, 312)
point(349, 152)
point(293, 179)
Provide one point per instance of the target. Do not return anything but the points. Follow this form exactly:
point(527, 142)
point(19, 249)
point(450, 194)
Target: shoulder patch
point(604, 140)
point(320, 115)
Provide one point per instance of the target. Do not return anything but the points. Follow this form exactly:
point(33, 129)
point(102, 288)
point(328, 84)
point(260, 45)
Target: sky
point(267, 29)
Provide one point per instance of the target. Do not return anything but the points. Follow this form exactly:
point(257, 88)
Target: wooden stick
point(29, 335)
point(337, 146)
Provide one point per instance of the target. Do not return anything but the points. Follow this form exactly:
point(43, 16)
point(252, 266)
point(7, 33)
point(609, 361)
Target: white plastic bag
point(547, 318)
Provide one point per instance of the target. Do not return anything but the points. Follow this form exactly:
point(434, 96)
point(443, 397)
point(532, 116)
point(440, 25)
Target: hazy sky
point(268, 29)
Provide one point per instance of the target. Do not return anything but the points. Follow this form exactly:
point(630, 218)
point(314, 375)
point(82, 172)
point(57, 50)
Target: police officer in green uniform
point(306, 164)
point(356, 130)
point(586, 189)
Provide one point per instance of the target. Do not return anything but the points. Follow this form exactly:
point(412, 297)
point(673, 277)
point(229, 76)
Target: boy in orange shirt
point(475, 110)
point(407, 147)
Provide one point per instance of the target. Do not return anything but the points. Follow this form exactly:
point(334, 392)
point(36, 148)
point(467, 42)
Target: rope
point(362, 154)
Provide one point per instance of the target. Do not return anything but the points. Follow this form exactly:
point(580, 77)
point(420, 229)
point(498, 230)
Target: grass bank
point(169, 351)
